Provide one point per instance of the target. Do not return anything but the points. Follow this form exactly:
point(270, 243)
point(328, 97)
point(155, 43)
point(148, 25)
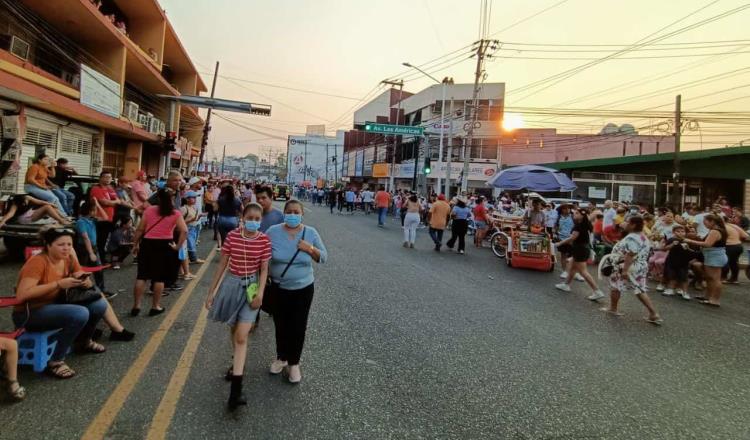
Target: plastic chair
point(36, 348)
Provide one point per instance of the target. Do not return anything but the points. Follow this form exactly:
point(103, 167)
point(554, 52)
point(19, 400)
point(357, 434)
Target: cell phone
point(83, 276)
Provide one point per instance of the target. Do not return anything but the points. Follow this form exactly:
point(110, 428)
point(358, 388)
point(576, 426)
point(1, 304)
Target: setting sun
point(512, 121)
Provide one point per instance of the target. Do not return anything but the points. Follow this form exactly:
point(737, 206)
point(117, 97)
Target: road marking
point(168, 405)
point(106, 416)
point(744, 325)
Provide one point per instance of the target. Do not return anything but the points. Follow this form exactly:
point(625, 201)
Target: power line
point(523, 20)
point(278, 86)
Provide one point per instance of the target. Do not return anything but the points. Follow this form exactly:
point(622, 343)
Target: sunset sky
point(345, 48)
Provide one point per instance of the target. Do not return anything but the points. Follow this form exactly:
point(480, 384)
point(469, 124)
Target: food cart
point(524, 248)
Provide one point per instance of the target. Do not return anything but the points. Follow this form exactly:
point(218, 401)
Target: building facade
point(315, 159)
point(79, 79)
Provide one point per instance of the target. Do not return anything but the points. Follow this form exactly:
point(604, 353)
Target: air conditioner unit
point(71, 78)
point(131, 110)
point(153, 125)
point(11, 127)
point(143, 119)
point(19, 48)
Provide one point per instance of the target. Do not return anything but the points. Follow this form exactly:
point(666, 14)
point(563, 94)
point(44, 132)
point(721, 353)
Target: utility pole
point(304, 178)
point(469, 140)
point(416, 163)
point(207, 127)
point(676, 199)
point(400, 84)
point(326, 164)
point(223, 158)
point(449, 155)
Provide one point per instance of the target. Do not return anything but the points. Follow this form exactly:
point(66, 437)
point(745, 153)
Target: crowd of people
point(267, 258)
point(697, 248)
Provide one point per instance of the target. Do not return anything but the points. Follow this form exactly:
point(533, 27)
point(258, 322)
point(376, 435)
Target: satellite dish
point(610, 129)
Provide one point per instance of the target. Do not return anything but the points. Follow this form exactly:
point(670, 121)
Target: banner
point(477, 171)
point(380, 169)
point(100, 92)
point(359, 163)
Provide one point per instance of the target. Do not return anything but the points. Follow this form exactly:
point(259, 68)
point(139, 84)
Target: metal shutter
point(75, 146)
point(40, 135)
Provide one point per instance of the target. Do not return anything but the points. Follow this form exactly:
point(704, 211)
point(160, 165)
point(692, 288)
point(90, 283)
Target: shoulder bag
point(270, 296)
point(79, 295)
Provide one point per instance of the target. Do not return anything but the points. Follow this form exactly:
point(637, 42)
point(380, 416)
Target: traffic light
point(427, 165)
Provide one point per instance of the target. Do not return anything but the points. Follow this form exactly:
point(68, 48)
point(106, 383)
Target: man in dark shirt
point(60, 174)
point(677, 263)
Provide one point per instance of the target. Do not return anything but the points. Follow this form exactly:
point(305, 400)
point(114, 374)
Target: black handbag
point(81, 295)
point(270, 296)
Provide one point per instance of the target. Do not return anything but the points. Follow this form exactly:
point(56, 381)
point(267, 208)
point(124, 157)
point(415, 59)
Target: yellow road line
point(164, 413)
point(107, 414)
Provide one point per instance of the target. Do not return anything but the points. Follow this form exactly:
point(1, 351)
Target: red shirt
point(246, 254)
point(100, 192)
point(480, 213)
point(382, 199)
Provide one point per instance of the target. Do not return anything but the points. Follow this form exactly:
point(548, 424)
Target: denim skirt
point(715, 257)
point(230, 304)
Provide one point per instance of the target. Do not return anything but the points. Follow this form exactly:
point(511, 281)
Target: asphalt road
point(409, 343)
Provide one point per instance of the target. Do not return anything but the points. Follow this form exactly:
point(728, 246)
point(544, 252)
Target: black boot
point(236, 397)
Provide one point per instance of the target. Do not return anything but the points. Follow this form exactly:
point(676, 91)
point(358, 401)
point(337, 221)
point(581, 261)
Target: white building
point(314, 157)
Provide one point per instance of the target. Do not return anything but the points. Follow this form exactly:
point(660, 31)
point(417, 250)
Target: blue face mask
point(292, 220)
point(252, 225)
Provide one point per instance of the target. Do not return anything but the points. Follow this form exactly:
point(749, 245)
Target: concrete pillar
point(746, 201)
point(133, 159)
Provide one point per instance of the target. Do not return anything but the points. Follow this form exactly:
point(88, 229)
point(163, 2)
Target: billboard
point(311, 157)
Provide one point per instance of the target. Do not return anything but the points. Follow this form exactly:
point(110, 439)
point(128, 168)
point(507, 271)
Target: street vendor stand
point(530, 249)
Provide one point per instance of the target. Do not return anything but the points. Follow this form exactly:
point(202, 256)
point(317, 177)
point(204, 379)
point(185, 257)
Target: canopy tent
point(532, 178)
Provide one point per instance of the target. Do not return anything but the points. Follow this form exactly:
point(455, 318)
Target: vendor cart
point(501, 227)
point(530, 251)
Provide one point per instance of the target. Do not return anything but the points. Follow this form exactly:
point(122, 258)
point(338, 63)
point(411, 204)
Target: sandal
point(706, 302)
point(16, 391)
point(91, 347)
point(656, 321)
point(59, 370)
point(610, 312)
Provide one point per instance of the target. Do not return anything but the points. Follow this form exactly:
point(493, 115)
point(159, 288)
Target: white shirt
point(367, 197)
point(609, 217)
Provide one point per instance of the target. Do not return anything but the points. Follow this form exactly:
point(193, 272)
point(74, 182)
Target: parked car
point(16, 237)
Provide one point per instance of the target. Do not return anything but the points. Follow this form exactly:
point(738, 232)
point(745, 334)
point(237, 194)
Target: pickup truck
point(16, 237)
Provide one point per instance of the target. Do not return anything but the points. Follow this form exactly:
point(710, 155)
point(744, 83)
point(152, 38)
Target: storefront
point(705, 175)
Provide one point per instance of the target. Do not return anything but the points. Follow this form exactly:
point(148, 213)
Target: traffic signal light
point(427, 165)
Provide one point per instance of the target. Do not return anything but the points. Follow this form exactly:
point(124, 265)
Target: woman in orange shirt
point(41, 283)
point(38, 185)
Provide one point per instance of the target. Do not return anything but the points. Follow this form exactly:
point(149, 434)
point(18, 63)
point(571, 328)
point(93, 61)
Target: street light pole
point(400, 84)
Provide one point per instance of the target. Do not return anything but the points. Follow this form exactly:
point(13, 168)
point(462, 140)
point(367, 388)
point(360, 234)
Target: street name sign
point(408, 130)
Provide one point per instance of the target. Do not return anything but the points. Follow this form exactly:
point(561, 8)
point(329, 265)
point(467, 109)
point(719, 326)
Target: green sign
point(372, 127)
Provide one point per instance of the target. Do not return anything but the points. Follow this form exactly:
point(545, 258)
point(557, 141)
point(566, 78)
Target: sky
point(345, 48)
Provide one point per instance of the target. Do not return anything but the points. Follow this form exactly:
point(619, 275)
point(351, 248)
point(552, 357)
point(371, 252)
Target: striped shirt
point(246, 254)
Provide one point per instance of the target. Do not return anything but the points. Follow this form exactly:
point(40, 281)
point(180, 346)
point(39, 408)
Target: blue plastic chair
point(36, 348)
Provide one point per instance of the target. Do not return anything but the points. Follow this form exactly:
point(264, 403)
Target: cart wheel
point(499, 244)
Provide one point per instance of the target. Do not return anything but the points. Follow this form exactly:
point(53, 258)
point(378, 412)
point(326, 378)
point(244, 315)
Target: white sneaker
point(564, 275)
point(295, 375)
point(579, 277)
point(562, 286)
point(597, 295)
point(277, 366)
point(684, 295)
point(659, 287)
point(668, 292)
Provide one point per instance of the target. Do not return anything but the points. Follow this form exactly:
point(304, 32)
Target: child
point(237, 300)
point(120, 243)
point(677, 263)
point(86, 250)
point(187, 251)
point(9, 348)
